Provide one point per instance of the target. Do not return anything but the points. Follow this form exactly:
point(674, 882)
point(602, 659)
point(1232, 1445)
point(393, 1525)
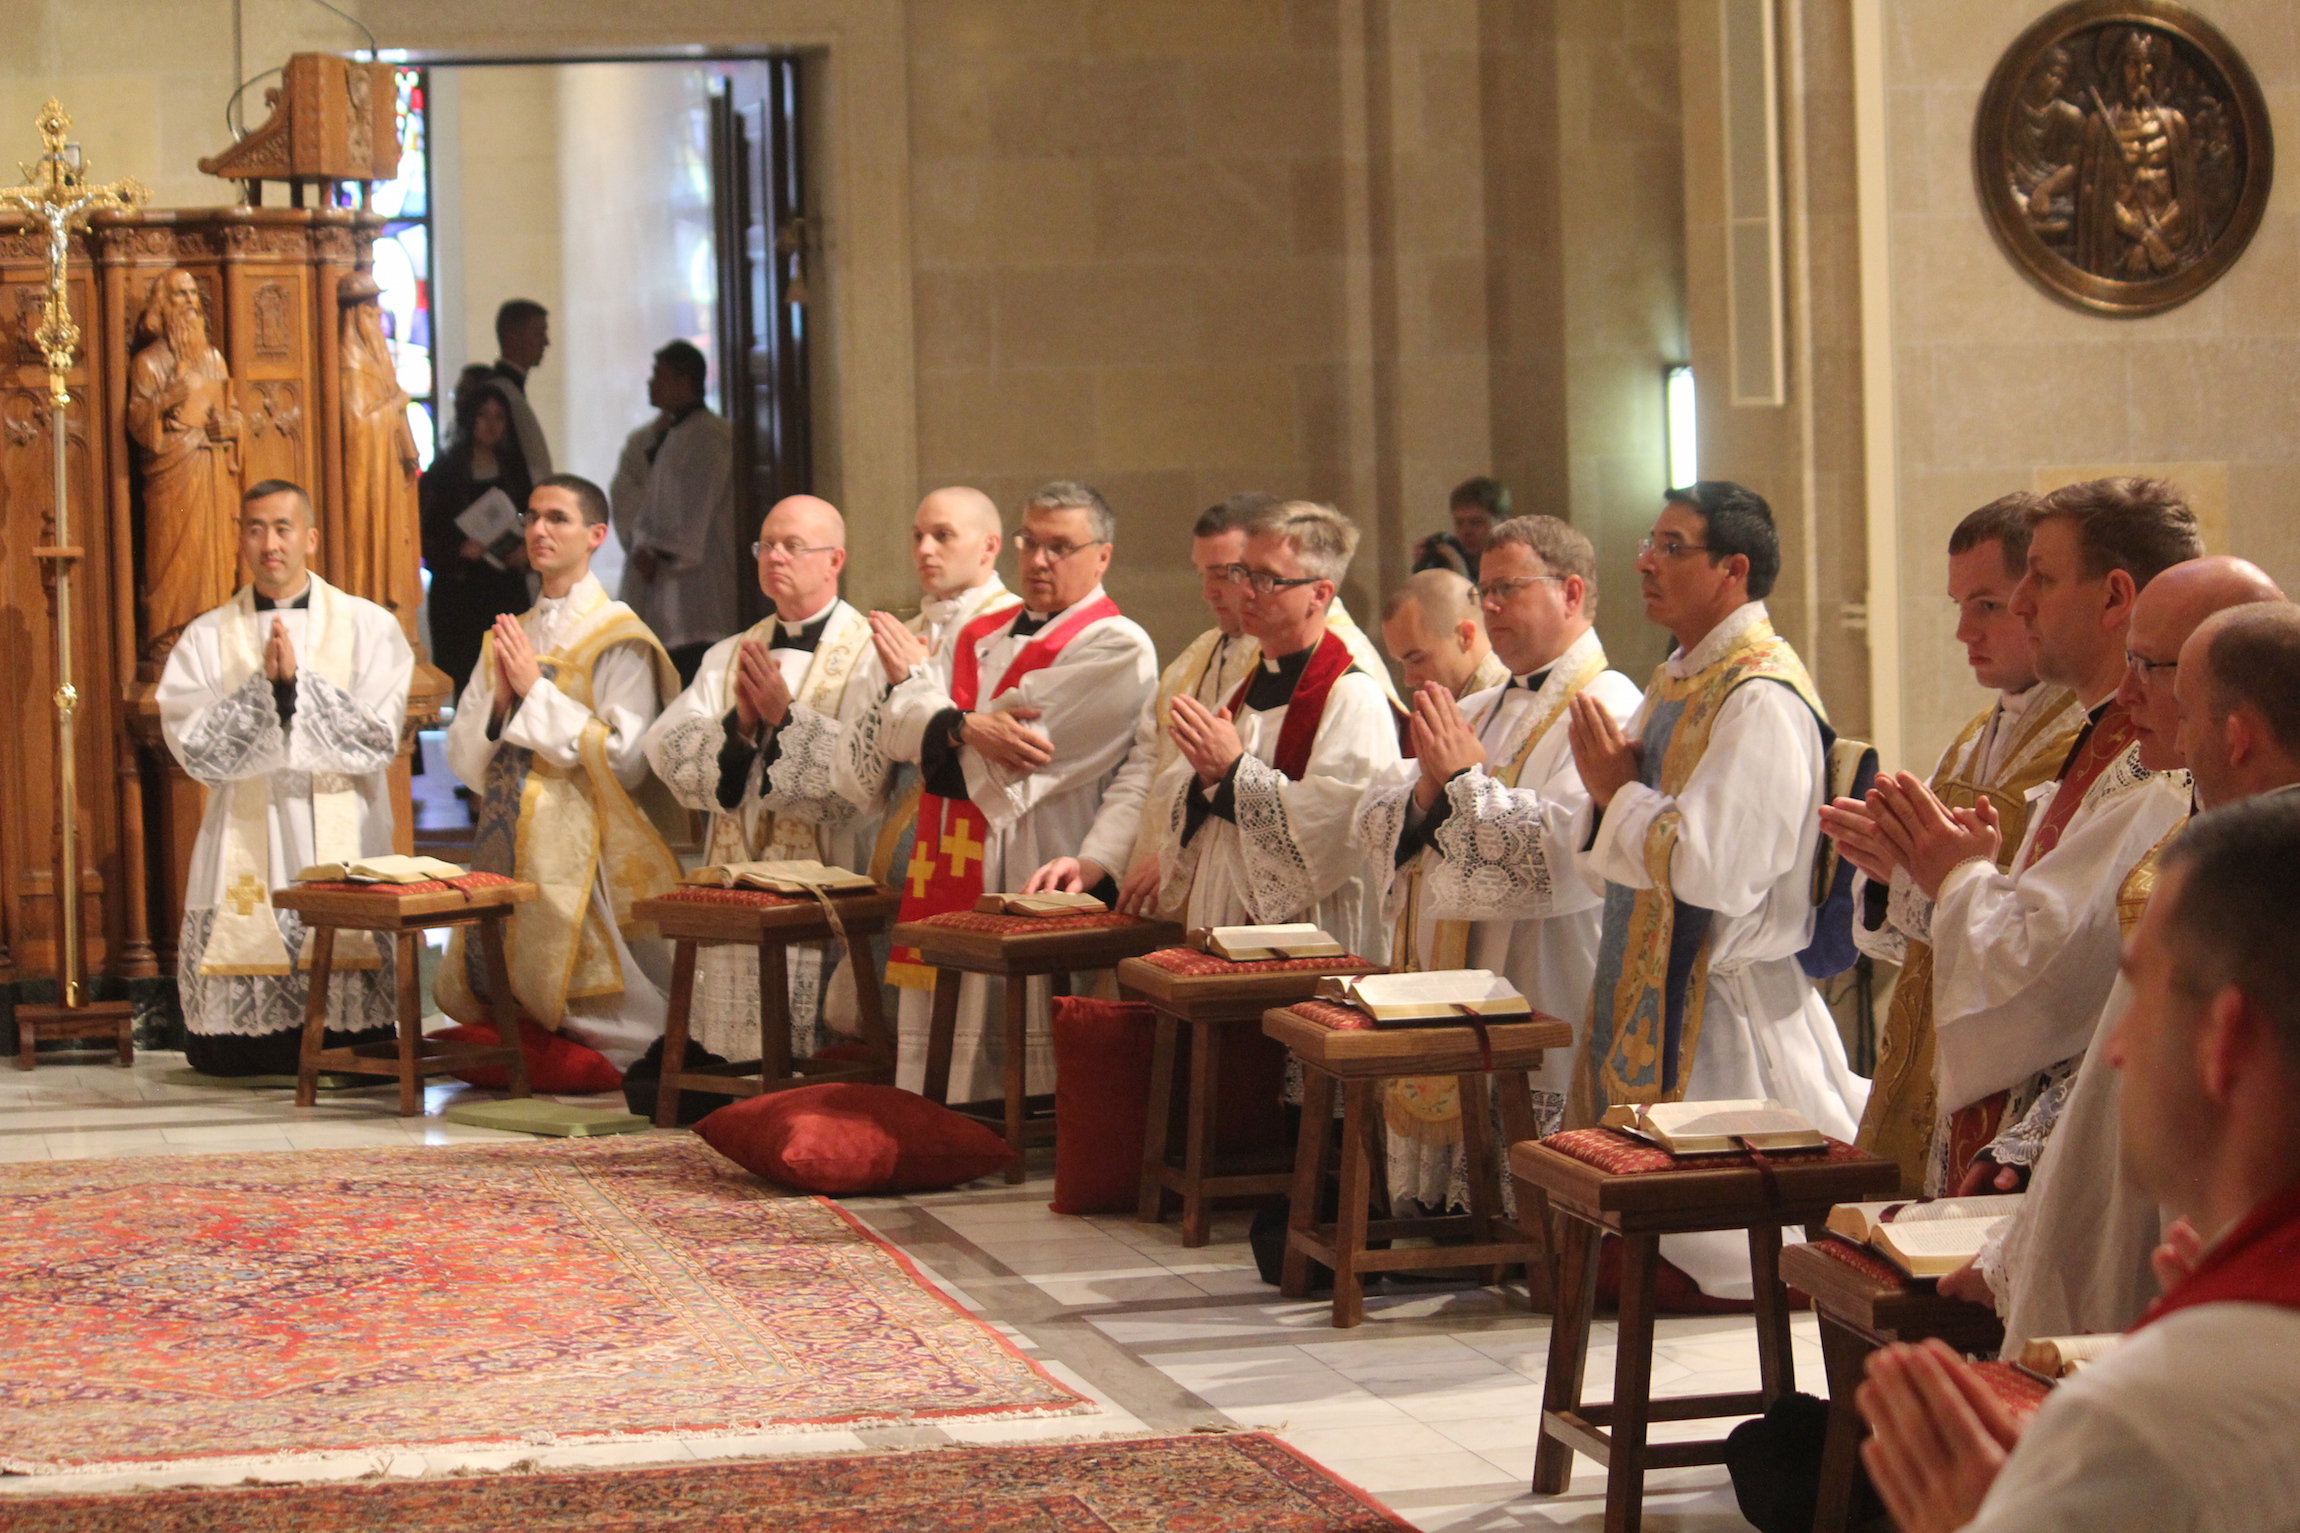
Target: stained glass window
point(403, 260)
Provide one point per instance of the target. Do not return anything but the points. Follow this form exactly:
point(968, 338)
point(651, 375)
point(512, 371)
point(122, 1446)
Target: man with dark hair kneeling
point(2194, 1421)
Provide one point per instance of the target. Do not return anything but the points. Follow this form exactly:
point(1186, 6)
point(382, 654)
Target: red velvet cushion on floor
point(555, 1062)
point(1102, 1058)
point(844, 1139)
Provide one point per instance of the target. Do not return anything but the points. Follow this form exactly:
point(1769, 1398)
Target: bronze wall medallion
point(2122, 154)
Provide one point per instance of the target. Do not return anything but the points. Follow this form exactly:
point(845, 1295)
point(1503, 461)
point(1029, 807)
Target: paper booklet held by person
point(1860, 1222)
point(388, 869)
point(1444, 996)
point(1245, 944)
point(2056, 1357)
point(1047, 902)
point(792, 875)
point(492, 522)
point(1717, 1128)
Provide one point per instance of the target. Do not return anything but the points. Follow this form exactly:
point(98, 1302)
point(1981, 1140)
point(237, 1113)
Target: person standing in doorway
point(674, 496)
point(522, 335)
point(472, 584)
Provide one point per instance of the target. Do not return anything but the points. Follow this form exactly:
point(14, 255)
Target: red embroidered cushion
point(1013, 926)
point(427, 886)
point(1188, 960)
point(1102, 1057)
point(846, 1139)
point(555, 1062)
point(704, 894)
point(1342, 1019)
point(1861, 1259)
point(1618, 1154)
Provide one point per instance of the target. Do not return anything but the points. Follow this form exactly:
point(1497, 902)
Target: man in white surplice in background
point(674, 495)
point(286, 702)
point(548, 733)
point(1257, 803)
point(1015, 742)
point(1469, 841)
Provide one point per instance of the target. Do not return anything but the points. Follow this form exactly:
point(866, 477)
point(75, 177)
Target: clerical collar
point(1027, 622)
point(294, 603)
point(1275, 680)
point(1531, 681)
point(804, 634)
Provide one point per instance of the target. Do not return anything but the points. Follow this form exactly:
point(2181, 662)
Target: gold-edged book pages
point(391, 868)
point(790, 875)
point(1717, 1128)
point(2056, 1357)
point(1048, 902)
point(1249, 944)
point(1443, 995)
point(1860, 1222)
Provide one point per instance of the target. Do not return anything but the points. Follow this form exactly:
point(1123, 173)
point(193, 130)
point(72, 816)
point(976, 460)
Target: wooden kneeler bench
point(404, 911)
point(1209, 996)
point(1599, 1181)
point(1864, 1302)
point(699, 917)
point(1014, 948)
point(1341, 1049)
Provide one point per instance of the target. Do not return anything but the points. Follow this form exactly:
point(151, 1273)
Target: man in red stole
point(2192, 1422)
point(1014, 742)
point(2023, 961)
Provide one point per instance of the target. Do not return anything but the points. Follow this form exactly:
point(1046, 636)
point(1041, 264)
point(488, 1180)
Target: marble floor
point(1428, 1406)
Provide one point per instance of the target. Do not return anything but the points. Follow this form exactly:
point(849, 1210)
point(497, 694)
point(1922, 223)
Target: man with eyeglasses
point(1470, 840)
point(1259, 798)
point(1432, 629)
point(2023, 960)
point(1707, 822)
point(548, 733)
point(1015, 741)
point(2007, 749)
point(746, 744)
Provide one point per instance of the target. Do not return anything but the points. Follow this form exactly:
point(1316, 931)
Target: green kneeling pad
point(534, 1115)
point(327, 1081)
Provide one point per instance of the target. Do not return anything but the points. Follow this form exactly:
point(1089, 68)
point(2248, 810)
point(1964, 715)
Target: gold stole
point(245, 938)
point(1653, 959)
point(1900, 1119)
point(570, 825)
point(734, 833)
point(1427, 1108)
point(1186, 677)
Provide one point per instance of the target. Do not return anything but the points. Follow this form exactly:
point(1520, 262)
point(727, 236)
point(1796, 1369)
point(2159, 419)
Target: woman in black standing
point(468, 590)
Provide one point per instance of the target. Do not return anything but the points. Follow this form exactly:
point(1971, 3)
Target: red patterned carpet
point(1202, 1484)
point(261, 1306)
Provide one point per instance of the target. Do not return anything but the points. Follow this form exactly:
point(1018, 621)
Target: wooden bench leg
point(1776, 1366)
point(1845, 1353)
point(941, 1035)
point(1158, 1122)
point(1632, 1384)
point(774, 1013)
point(675, 1025)
point(504, 1004)
point(410, 977)
point(1351, 1217)
point(1482, 1167)
point(1198, 1140)
point(124, 1044)
point(1578, 1248)
point(870, 1010)
point(27, 1044)
point(314, 1016)
point(1519, 1123)
point(1309, 1178)
point(1017, 1031)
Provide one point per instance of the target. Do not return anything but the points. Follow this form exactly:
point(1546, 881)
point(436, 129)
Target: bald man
point(742, 745)
point(1432, 627)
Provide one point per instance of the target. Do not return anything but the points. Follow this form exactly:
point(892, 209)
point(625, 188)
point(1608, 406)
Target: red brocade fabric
point(555, 1062)
point(1019, 926)
point(1342, 1019)
point(427, 886)
point(1102, 1056)
point(704, 894)
point(1188, 960)
point(843, 1138)
point(1861, 1259)
point(1618, 1154)
point(2020, 1392)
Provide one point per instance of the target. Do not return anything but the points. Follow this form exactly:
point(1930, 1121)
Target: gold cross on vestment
point(920, 870)
point(959, 845)
point(246, 894)
point(57, 197)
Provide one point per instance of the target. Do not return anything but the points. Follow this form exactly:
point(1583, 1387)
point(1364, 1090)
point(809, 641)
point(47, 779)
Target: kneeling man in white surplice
point(286, 702)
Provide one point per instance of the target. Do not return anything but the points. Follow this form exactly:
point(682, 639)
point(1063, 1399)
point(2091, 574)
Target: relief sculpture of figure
point(380, 463)
point(182, 415)
point(2047, 137)
point(2137, 211)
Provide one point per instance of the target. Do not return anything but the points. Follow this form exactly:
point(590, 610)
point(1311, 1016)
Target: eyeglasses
point(2146, 669)
point(1053, 553)
point(1670, 547)
point(1494, 592)
point(1263, 582)
point(789, 548)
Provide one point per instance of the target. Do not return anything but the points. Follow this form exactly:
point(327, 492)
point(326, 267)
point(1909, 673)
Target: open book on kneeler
point(786, 876)
point(1244, 944)
point(1616, 1176)
point(1444, 998)
point(1040, 906)
point(1728, 1127)
point(390, 869)
point(1860, 1222)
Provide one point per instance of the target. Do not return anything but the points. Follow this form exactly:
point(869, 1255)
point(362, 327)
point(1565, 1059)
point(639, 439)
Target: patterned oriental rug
point(250, 1308)
point(1203, 1484)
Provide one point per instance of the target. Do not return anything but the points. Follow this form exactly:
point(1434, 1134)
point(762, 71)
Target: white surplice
point(1749, 819)
point(1088, 700)
point(2191, 1425)
point(1286, 855)
point(681, 504)
point(1502, 859)
point(226, 737)
point(864, 770)
point(550, 724)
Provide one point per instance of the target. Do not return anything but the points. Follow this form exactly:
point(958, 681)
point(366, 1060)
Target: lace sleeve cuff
point(1907, 910)
point(1278, 882)
point(332, 732)
point(2023, 1143)
point(802, 779)
point(237, 737)
point(1495, 853)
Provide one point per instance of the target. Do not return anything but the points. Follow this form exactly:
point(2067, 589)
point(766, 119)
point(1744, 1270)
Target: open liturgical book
point(1726, 1127)
point(1442, 996)
point(1925, 1240)
point(1248, 944)
point(391, 868)
point(1050, 902)
point(793, 875)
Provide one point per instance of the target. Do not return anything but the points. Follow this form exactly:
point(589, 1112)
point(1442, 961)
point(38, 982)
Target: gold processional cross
point(57, 197)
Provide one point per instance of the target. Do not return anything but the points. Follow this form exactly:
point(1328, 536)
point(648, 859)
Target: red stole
point(1307, 708)
point(2258, 1262)
point(2103, 743)
point(945, 871)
